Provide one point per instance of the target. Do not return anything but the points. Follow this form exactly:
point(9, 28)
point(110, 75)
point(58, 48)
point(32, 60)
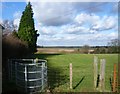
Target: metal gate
point(30, 75)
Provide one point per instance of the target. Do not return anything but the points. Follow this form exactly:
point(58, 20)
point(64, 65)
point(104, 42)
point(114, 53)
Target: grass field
point(58, 71)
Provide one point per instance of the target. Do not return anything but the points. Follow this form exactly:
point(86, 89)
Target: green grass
point(58, 71)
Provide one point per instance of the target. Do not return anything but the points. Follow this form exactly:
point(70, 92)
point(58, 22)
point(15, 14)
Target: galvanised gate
point(30, 75)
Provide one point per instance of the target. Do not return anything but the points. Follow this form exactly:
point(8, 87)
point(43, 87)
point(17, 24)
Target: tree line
point(113, 46)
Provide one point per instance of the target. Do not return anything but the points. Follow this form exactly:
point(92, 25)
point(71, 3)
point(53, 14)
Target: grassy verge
point(58, 71)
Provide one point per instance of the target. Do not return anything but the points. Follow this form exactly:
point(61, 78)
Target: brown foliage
point(13, 47)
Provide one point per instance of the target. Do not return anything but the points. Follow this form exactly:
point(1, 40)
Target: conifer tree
point(26, 30)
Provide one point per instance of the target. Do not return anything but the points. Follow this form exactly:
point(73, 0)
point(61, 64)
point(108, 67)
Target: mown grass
point(58, 71)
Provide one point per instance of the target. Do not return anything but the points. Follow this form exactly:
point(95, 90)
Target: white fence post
point(102, 75)
point(70, 75)
point(26, 78)
point(43, 65)
point(95, 70)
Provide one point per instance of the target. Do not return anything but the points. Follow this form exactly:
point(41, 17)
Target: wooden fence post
point(118, 76)
point(95, 70)
point(102, 75)
point(114, 78)
point(70, 75)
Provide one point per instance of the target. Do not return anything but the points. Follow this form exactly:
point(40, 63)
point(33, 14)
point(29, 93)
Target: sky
point(68, 23)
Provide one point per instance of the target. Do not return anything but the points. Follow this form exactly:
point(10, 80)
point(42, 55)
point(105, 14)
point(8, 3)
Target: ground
point(58, 71)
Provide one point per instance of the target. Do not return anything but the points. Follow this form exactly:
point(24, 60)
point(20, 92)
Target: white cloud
point(1, 20)
point(78, 40)
point(80, 33)
point(99, 23)
point(16, 21)
point(17, 16)
point(48, 30)
point(84, 18)
point(53, 14)
point(60, 13)
point(106, 23)
point(74, 29)
point(113, 35)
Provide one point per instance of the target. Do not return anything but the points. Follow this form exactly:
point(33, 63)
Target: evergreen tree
point(26, 30)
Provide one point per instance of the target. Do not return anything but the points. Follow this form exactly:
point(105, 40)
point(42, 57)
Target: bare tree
point(86, 48)
point(113, 46)
point(9, 26)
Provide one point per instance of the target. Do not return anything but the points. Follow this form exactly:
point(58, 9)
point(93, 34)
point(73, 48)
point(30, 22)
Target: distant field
point(57, 50)
point(58, 71)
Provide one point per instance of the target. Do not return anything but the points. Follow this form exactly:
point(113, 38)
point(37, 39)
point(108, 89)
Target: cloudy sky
point(69, 23)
